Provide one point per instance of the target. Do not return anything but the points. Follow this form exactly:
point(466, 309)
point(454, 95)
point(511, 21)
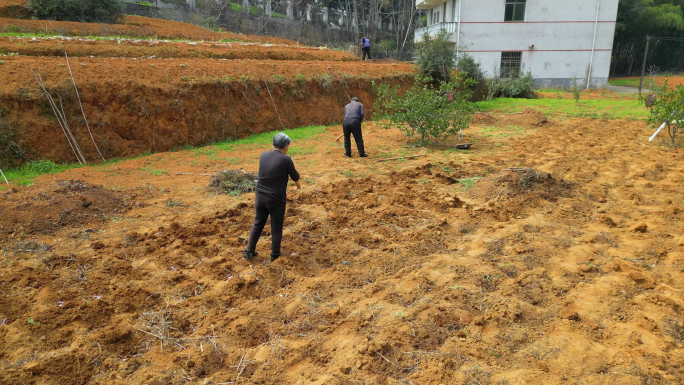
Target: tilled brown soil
point(130, 48)
point(132, 26)
point(549, 253)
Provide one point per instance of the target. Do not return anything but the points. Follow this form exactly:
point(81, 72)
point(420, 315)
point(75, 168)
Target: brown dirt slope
point(439, 270)
point(136, 106)
point(133, 26)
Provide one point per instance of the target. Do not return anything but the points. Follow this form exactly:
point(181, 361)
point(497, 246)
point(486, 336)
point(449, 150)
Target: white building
point(556, 40)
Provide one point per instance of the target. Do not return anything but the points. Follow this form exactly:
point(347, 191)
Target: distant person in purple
point(365, 47)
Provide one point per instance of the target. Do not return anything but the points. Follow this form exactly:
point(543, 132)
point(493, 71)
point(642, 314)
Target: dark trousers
point(366, 51)
point(266, 206)
point(353, 127)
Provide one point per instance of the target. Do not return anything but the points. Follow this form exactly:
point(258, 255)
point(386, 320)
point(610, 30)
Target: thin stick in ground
point(3, 176)
point(54, 110)
point(274, 105)
point(81, 104)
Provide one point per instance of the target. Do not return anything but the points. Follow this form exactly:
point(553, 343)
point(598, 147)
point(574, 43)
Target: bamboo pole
point(81, 104)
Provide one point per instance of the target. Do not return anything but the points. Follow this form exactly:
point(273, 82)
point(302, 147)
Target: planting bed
point(165, 49)
point(133, 26)
point(394, 272)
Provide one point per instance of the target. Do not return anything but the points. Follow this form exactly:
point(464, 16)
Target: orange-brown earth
point(140, 105)
point(396, 272)
point(672, 81)
point(132, 26)
point(57, 46)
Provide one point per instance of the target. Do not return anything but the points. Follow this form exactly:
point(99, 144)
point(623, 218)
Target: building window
point(511, 63)
point(515, 10)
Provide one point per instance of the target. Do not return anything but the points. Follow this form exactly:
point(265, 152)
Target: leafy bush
point(425, 110)
point(94, 11)
point(668, 107)
point(515, 87)
point(472, 71)
point(435, 56)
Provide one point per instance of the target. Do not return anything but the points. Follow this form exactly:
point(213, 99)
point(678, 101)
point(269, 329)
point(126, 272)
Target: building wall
point(555, 39)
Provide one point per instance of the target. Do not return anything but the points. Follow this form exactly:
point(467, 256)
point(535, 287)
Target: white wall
point(562, 33)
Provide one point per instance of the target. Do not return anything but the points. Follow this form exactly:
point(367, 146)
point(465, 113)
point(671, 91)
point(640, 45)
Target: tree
point(436, 56)
point(424, 110)
point(668, 108)
point(637, 19)
point(94, 11)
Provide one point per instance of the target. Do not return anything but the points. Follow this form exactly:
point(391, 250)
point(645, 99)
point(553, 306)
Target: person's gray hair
point(280, 141)
point(354, 99)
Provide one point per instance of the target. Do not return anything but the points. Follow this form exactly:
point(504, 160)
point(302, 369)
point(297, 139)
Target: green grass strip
point(26, 173)
point(589, 108)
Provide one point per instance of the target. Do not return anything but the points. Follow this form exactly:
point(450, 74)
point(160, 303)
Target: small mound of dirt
point(528, 117)
point(233, 182)
point(527, 181)
point(484, 119)
point(68, 204)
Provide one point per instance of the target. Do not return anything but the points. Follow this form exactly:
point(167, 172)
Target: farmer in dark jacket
point(353, 116)
point(365, 47)
point(275, 170)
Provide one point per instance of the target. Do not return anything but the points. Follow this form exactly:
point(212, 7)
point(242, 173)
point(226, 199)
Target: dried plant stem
point(65, 128)
point(81, 104)
point(274, 105)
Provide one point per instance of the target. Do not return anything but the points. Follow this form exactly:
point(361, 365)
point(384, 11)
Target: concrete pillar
point(309, 11)
point(341, 21)
point(290, 10)
point(326, 15)
point(269, 10)
point(245, 6)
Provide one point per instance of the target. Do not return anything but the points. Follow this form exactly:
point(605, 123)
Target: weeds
point(233, 182)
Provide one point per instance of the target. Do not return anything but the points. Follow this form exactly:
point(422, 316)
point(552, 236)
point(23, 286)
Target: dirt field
point(671, 80)
point(395, 272)
point(164, 49)
point(133, 26)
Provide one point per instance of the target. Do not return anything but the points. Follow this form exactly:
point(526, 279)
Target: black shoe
point(347, 155)
point(274, 257)
point(248, 255)
point(363, 156)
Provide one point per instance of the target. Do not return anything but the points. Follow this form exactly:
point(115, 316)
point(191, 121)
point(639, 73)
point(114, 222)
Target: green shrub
point(472, 71)
point(425, 110)
point(94, 11)
point(435, 56)
point(514, 87)
point(667, 107)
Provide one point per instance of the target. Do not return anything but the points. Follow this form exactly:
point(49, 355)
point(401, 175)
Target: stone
point(569, 314)
point(641, 279)
point(641, 228)
point(97, 245)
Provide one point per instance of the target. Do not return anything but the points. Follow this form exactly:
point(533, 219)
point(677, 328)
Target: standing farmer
point(353, 116)
point(365, 47)
point(275, 169)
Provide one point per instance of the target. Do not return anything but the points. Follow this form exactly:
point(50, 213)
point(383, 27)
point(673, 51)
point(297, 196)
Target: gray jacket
point(354, 110)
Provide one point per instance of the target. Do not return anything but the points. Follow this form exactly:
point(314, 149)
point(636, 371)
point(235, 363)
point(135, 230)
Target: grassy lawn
point(589, 108)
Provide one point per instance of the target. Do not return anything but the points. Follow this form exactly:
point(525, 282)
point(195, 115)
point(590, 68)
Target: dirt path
point(396, 272)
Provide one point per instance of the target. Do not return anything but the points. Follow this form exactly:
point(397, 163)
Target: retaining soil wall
point(129, 119)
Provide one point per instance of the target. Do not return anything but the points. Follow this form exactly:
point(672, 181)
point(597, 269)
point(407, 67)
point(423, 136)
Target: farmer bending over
point(275, 169)
point(353, 116)
point(365, 47)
